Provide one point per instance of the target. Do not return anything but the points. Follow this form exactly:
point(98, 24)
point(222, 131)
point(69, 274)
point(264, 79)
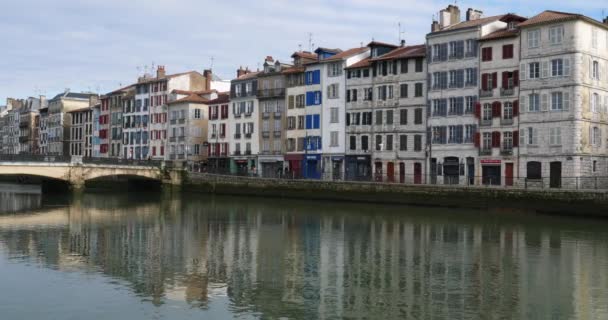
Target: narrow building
point(563, 101)
point(245, 115)
point(453, 69)
point(59, 120)
point(296, 112)
point(218, 135)
point(271, 97)
point(498, 108)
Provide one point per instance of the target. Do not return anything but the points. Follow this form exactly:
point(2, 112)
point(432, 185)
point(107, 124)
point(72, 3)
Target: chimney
point(208, 78)
point(93, 100)
point(269, 59)
point(160, 72)
point(605, 21)
point(473, 14)
point(402, 43)
point(240, 71)
point(435, 26)
point(449, 16)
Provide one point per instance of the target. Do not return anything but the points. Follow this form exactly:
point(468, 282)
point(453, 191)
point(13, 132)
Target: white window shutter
point(522, 72)
point(545, 67)
point(522, 137)
point(522, 103)
point(545, 102)
point(567, 67)
point(566, 101)
point(590, 68)
point(535, 136)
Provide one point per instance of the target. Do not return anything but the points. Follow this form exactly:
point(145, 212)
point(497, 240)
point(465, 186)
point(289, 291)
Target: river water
point(180, 256)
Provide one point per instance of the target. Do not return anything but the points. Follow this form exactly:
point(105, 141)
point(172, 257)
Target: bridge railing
point(34, 158)
point(122, 162)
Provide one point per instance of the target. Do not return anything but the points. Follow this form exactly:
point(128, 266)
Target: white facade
point(564, 102)
point(243, 119)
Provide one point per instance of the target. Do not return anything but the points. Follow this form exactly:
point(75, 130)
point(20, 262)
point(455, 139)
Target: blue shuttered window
point(316, 121)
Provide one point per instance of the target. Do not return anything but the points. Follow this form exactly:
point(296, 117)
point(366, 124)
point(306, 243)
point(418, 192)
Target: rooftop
point(361, 64)
point(414, 51)
point(470, 24)
point(192, 98)
point(550, 16)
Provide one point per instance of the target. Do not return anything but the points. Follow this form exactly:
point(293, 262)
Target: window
point(534, 170)
point(440, 107)
point(595, 138)
point(556, 34)
point(333, 139)
point(487, 112)
point(532, 136)
point(507, 140)
point(403, 142)
point(378, 117)
point(291, 102)
point(403, 90)
point(364, 142)
point(418, 89)
point(389, 116)
point(419, 64)
point(487, 141)
point(557, 67)
point(555, 136)
point(455, 134)
point(418, 116)
point(595, 103)
point(507, 51)
point(534, 102)
point(508, 111)
point(353, 143)
point(333, 115)
point(471, 77)
point(534, 68)
point(389, 142)
point(332, 91)
point(418, 142)
point(533, 38)
point(403, 116)
point(469, 132)
point(334, 69)
point(557, 102)
point(404, 63)
point(486, 54)
point(595, 70)
point(300, 122)
point(378, 143)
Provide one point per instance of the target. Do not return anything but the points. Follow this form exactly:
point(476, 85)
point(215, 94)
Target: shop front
point(311, 168)
point(490, 172)
point(271, 166)
point(358, 167)
point(294, 165)
point(243, 166)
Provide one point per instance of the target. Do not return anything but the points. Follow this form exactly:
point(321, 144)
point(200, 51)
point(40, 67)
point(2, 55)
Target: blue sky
point(97, 45)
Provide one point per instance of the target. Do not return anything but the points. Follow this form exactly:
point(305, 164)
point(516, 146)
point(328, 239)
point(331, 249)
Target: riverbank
point(590, 203)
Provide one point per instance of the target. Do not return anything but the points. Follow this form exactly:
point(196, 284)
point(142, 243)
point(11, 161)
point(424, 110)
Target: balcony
point(485, 123)
point(486, 93)
point(247, 152)
point(485, 152)
point(248, 115)
point(277, 115)
point(214, 136)
point(237, 135)
point(181, 138)
point(265, 115)
point(265, 134)
point(506, 122)
point(181, 156)
point(236, 153)
point(172, 139)
point(506, 152)
point(248, 135)
point(237, 115)
point(277, 134)
point(181, 121)
point(173, 121)
point(507, 92)
point(23, 139)
point(271, 93)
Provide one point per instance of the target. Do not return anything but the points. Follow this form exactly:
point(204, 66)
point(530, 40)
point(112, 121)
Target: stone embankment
point(554, 201)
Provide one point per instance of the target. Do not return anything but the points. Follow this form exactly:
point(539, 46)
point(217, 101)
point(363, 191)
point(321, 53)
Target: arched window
point(534, 170)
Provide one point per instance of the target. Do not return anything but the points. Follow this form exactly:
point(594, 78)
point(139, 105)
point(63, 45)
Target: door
point(417, 173)
point(390, 172)
point(508, 174)
point(555, 175)
point(378, 171)
point(401, 172)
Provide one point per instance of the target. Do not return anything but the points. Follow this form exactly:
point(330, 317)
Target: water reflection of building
point(307, 261)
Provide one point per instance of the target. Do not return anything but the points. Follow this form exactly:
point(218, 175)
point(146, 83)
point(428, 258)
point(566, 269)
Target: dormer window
point(511, 25)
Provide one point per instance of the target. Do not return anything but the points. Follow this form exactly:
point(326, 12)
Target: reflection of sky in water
point(191, 257)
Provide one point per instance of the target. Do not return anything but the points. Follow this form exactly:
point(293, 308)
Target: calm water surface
point(163, 256)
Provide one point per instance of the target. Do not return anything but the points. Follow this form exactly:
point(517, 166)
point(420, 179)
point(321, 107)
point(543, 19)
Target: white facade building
point(244, 115)
point(564, 100)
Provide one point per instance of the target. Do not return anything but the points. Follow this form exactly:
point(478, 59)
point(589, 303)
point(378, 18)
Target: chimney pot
point(403, 43)
point(160, 71)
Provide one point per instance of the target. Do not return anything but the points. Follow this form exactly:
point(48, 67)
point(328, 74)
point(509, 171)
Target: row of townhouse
point(486, 100)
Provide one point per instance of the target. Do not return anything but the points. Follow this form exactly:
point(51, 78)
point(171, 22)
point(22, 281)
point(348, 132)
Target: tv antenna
point(212, 59)
point(401, 32)
point(310, 44)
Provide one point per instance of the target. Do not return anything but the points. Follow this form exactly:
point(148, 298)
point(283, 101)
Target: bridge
point(76, 171)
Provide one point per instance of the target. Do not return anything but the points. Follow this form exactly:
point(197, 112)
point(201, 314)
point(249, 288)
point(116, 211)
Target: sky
point(98, 45)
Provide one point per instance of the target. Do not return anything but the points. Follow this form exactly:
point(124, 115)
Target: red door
point(390, 171)
point(509, 174)
point(401, 172)
point(417, 173)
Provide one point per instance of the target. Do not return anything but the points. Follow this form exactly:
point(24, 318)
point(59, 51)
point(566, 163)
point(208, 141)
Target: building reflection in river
point(304, 261)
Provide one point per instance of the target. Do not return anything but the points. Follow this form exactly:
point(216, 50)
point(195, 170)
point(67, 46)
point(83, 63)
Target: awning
point(294, 157)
